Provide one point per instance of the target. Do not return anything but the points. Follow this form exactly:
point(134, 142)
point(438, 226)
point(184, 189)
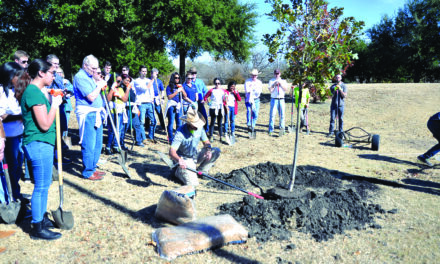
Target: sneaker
point(140, 144)
point(108, 151)
point(270, 134)
point(425, 161)
point(331, 134)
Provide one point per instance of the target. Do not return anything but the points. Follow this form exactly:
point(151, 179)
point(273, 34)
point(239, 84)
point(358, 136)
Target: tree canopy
point(131, 32)
point(315, 42)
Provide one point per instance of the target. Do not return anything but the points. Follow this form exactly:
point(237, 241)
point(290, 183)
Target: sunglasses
point(177, 78)
point(217, 83)
point(194, 72)
point(24, 62)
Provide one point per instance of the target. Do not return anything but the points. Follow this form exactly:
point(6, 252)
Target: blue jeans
point(91, 145)
point(173, 115)
point(138, 129)
point(38, 153)
point(14, 159)
point(111, 134)
point(147, 111)
point(334, 110)
point(276, 105)
point(231, 116)
point(252, 113)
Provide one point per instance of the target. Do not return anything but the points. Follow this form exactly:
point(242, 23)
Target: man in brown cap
point(184, 150)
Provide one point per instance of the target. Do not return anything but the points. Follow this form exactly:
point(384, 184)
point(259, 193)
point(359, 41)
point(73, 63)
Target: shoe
point(140, 144)
point(108, 151)
point(270, 134)
point(24, 200)
point(99, 173)
point(152, 141)
point(47, 223)
point(39, 231)
point(281, 132)
point(94, 177)
point(425, 161)
point(308, 132)
point(331, 134)
point(115, 150)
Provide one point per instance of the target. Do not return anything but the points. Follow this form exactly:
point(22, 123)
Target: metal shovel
point(63, 219)
point(171, 164)
point(9, 211)
point(122, 157)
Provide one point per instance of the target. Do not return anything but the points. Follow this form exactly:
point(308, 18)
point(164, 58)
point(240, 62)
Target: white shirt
point(252, 89)
point(9, 105)
point(143, 93)
point(278, 92)
point(217, 96)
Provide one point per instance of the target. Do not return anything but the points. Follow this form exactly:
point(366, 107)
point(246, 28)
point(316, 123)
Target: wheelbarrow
point(357, 134)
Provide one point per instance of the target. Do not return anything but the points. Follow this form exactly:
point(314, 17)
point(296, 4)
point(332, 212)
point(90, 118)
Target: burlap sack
point(177, 206)
point(201, 234)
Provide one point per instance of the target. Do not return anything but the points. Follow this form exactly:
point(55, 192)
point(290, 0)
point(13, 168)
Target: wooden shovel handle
point(59, 156)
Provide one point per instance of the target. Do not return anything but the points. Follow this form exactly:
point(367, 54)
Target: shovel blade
point(9, 212)
point(122, 157)
point(63, 219)
point(228, 140)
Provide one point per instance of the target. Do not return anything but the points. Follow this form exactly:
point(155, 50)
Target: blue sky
point(369, 11)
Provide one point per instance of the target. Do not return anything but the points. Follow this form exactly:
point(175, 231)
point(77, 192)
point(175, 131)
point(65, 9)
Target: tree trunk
point(182, 59)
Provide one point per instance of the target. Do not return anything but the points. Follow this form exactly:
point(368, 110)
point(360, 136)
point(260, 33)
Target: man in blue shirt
point(90, 114)
point(184, 150)
point(201, 90)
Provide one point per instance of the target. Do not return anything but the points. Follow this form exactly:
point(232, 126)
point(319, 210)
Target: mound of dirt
point(322, 204)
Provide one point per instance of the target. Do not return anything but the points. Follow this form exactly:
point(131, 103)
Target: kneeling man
point(184, 148)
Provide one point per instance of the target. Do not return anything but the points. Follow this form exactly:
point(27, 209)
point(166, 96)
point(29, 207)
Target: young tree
point(314, 41)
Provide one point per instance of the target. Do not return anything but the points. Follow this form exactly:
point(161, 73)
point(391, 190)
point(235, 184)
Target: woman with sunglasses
point(176, 94)
point(39, 140)
point(217, 98)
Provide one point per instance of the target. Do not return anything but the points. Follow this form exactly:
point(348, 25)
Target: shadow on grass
point(145, 215)
point(233, 257)
point(411, 184)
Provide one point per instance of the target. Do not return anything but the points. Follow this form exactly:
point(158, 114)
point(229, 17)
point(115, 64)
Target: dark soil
point(321, 205)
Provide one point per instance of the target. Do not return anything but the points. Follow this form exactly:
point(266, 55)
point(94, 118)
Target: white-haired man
point(90, 114)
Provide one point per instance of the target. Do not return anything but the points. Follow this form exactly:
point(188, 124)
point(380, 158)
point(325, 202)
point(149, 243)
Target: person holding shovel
point(277, 88)
point(339, 92)
point(252, 89)
point(39, 140)
point(304, 107)
point(90, 113)
point(184, 150)
point(232, 99)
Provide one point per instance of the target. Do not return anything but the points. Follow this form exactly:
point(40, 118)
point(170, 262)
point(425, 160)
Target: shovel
point(122, 154)
point(63, 219)
point(9, 212)
point(171, 164)
point(291, 128)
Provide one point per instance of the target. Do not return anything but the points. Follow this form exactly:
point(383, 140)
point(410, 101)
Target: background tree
point(223, 28)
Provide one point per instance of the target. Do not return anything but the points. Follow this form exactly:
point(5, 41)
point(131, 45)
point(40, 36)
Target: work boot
point(47, 223)
point(39, 231)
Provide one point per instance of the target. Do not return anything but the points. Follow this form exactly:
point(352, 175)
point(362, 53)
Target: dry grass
point(114, 218)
